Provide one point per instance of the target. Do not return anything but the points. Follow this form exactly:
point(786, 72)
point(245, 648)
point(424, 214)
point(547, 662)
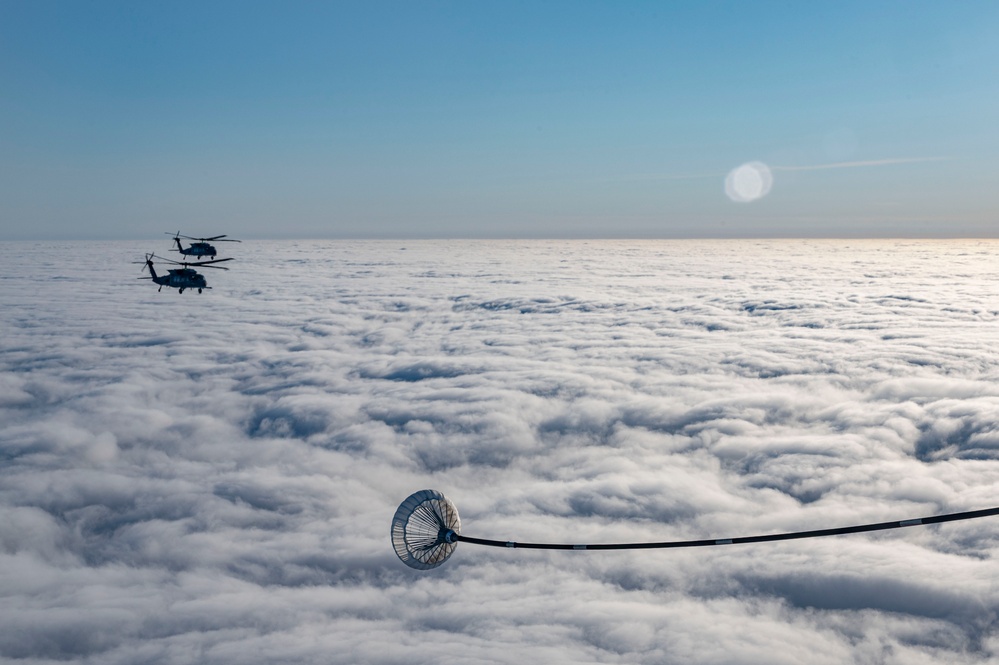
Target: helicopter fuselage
point(185, 278)
point(180, 279)
point(198, 249)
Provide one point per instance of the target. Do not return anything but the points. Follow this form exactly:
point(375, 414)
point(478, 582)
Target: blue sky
point(554, 119)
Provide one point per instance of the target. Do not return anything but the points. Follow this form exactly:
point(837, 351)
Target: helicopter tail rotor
point(176, 240)
point(146, 265)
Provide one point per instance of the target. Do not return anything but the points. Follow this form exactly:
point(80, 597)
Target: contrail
point(813, 167)
point(870, 162)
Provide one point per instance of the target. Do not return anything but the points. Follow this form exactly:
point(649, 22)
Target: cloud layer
point(210, 478)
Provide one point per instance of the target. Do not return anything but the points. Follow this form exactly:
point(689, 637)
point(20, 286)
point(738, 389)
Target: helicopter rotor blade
point(201, 263)
point(208, 264)
point(212, 239)
point(177, 263)
point(196, 264)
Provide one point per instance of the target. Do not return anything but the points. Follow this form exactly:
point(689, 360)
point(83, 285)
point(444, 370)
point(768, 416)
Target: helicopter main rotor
point(221, 238)
point(187, 264)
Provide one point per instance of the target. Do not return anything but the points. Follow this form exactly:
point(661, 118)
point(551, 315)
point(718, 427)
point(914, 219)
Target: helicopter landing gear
point(159, 289)
point(199, 290)
point(181, 290)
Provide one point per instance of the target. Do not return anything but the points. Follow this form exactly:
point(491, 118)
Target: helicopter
point(180, 278)
point(200, 247)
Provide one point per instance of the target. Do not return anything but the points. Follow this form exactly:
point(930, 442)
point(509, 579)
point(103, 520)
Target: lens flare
point(748, 182)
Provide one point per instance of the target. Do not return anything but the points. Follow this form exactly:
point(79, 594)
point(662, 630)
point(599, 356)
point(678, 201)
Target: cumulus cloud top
point(210, 478)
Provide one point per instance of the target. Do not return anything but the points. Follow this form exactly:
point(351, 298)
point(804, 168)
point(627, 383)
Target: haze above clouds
point(210, 478)
point(122, 120)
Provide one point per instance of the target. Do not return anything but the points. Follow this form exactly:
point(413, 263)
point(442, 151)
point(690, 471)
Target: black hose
point(817, 533)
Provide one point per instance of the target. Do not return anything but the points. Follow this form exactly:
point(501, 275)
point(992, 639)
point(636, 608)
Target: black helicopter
point(200, 247)
point(180, 278)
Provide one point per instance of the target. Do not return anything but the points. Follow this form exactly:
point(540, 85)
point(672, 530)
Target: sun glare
point(748, 182)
